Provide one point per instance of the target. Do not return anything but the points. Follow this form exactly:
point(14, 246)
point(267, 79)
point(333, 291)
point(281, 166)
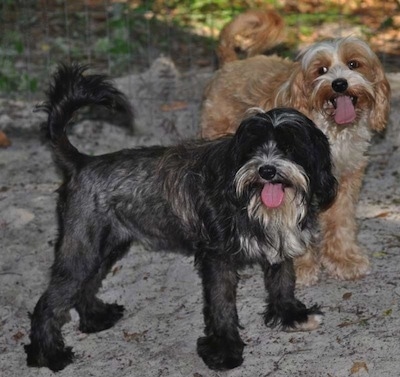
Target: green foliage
point(11, 79)
point(387, 23)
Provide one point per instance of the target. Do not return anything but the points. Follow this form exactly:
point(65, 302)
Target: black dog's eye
point(322, 70)
point(353, 64)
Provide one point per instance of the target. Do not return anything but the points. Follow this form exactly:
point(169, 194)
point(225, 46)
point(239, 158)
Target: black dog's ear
point(327, 189)
point(325, 182)
point(313, 150)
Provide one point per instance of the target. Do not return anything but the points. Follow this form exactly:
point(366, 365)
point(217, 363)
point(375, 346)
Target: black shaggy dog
point(252, 197)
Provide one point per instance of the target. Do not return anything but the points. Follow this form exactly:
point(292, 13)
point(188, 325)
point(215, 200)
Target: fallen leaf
point(382, 214)
point(18, 336)
point(116, 269)
point(173, 106)
point(134, 336)
point(4, 140)
point(379, 254)
point(388, 312)
point(358, 366)
point(360, 322)
point(347, 296)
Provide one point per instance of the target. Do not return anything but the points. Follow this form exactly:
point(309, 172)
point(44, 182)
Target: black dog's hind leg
point(222, 347)
point(76, 275)
point(51, 312)
point(94, 314)
point(283, 308)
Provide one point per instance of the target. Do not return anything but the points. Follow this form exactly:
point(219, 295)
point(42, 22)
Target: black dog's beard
point(286, 237)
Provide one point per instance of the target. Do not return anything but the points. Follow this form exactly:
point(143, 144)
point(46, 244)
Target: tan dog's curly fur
point(341, 85)
point(249, 33)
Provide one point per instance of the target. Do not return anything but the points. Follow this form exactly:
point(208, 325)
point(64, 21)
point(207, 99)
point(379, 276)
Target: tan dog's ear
point(298, 98)
point(380, 112)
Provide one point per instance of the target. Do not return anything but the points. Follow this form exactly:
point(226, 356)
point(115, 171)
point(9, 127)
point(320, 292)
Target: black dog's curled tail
point(70, 90)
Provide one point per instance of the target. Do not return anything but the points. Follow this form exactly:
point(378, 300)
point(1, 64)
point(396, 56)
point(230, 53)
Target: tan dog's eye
point(353, 64)
point(322, 70)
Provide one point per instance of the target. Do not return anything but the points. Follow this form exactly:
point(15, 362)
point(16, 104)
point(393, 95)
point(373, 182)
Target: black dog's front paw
point(293, 316)
point(220, 353)
point(55, 360)
point(101, 317)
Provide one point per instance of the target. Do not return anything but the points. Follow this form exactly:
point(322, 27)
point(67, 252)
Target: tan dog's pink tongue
point(345, 112)
point(272, 195)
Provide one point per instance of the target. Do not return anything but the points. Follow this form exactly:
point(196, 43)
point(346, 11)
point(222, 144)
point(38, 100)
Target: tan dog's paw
point(349, 265)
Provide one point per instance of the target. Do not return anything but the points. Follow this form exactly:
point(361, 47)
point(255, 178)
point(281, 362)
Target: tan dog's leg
point(307, 268)
point(340, 253)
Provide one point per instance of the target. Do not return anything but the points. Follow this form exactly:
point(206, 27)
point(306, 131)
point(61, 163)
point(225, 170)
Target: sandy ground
point(161, 292)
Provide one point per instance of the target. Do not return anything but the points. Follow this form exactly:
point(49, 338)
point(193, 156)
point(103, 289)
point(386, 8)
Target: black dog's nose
point(267, 172)
point(339, 85)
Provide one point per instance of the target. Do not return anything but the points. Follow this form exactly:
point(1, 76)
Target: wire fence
point(118, 37)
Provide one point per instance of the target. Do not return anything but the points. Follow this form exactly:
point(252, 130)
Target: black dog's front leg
point(222, 347)
point(283, 308)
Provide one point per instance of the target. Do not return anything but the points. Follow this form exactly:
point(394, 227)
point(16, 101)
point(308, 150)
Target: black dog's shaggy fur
point(203, 198)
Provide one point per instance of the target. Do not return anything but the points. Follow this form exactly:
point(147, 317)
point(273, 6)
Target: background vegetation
point(123, 36)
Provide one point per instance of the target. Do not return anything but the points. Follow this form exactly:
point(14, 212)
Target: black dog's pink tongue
point(345, 112)
point(272, 195)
